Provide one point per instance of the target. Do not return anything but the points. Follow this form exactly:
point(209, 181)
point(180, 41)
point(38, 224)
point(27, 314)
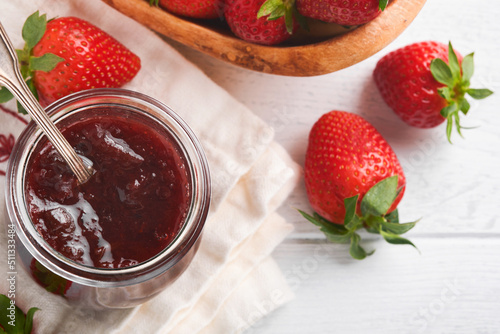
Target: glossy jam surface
point(129, 211)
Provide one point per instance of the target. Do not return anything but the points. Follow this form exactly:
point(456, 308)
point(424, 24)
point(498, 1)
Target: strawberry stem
point(382, 4)
point(275, 9)
point(374, 218)
point(456, 78)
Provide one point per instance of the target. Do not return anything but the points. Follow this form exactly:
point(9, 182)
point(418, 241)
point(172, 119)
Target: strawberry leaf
point(350, 208)
point(354, 224)
point(445, 93)
point(449, 109)
point(397, 228)
point(18, 323)
point(275, 9)
point(380, 197)
point(467, 67)
point(479, 94)
point(396, 239)
point(23, 57)
point(34, 29)
point(382, 4)
point(454, 65)
point(338, 238)
point(45, 63)
point(356, 250)
point(289, 21)
point(28, 326)
point(442, 72)
point(32, 88)
point(464, 106)
point(393, 217)
point(339, 229)
point(457, 125)
point(449, 129)
point(5, 95)
point(269, 7)
point(279, 12)
point(333, 232)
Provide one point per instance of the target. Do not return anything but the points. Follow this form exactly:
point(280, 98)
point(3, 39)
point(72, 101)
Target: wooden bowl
point(327, 49)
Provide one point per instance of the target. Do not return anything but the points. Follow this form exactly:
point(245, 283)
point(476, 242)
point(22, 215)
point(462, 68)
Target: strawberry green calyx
point(274, 9)
point(382, 4)
point(153, 2)
point(374, 218)
point(33, 30)
point(456, 79)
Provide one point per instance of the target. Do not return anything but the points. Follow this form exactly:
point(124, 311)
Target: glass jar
point(99, 287)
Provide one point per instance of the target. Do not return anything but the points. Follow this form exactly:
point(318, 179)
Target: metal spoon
point(10, 77)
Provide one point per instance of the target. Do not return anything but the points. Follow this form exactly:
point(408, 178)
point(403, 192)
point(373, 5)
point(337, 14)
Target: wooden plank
point(452, 287)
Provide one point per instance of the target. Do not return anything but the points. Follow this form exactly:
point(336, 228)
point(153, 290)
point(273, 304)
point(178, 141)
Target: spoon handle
point(10, 77)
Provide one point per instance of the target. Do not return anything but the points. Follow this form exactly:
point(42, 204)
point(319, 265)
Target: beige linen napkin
point(233, 281)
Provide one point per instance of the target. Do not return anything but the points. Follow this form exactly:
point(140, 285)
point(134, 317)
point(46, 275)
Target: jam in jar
point(130, 209)
point(125, 235)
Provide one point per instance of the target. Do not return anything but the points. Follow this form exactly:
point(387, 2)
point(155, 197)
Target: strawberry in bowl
point(207, 9)
point(346, 12)
point(262, 22)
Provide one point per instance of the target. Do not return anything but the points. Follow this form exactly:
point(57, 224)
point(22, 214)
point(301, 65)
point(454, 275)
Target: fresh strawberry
point(345, 12)
point(353, 180)
point(425, 83)
point(92, 59)
point(259, 21)
point(67, 55)
point(198, 9)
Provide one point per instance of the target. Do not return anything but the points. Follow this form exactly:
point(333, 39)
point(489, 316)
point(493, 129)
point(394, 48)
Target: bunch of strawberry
point(67, 55)
point(271, 22)
point(352, 176)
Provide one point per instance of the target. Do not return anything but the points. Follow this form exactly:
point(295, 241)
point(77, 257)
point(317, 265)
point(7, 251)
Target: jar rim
point(94, 276)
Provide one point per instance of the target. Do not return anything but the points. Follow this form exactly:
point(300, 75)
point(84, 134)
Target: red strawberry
point(92, 59)
point(67, 55)
point(198, 9)
point(353, 178)
point(246, 20)
point(425, 84)
point(345, 12)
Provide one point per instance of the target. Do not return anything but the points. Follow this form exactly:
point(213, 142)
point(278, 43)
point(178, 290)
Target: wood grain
point(329, 55)
point(451, 287)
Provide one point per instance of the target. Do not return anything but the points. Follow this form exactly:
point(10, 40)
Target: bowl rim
point(319, 58)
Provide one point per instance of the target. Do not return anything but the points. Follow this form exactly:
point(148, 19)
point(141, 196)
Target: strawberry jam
point(132, 207)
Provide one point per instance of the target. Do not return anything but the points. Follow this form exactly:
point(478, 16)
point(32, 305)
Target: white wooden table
point(453, 286)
